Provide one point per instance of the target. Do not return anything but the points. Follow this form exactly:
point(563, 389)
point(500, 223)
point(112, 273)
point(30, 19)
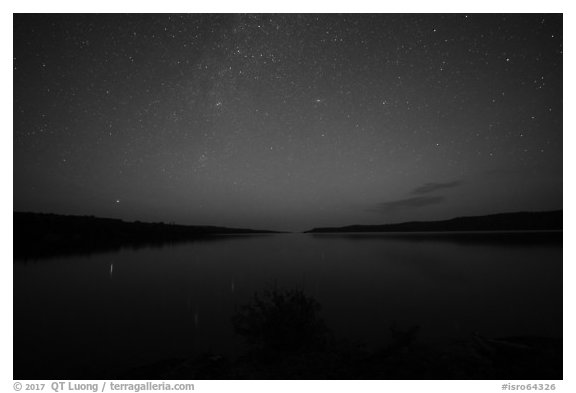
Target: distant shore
point(522, 221)
point(42, 235)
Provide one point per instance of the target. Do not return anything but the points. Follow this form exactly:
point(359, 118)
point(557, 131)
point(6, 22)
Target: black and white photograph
point(288, 196)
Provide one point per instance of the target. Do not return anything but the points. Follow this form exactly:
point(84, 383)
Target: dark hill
point(38, 234)
point(523, 221)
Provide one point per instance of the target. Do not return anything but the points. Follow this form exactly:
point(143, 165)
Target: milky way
point(287, 121)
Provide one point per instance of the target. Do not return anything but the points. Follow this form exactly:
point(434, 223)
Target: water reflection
point(45, 252)
point(71, 319)
point(494, 238)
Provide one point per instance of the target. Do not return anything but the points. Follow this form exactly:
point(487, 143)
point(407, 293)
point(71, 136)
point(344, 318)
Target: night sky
point(287, 121)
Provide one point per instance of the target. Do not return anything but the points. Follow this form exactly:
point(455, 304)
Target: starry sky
point(287, 121)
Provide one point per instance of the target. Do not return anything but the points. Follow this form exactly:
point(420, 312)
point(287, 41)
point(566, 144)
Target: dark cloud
point(431, 187)
point(413, 202)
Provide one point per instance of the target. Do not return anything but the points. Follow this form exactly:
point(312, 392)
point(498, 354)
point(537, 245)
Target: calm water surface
point(107, 312)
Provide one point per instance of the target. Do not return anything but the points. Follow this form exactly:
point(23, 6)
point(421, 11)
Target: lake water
point(104, 313)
